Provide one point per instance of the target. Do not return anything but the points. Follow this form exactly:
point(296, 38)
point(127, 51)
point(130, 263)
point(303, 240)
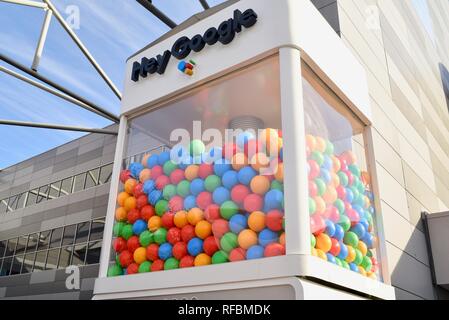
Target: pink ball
point(239, 193)
point(341, 192)
point(162, 181)
point(205, 170)
point(212, 213)
point(177, 176)
point(176, 204)
point(204, 200)
point(353, 216)
point(156, 172)
point(253, 202)
point(350, 177)
point(317, 224)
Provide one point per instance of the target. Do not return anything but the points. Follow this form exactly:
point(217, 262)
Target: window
point(92, 178)
point(93, 252)
point(21, 245)
point(16, 266)
point(79, 254)
point(54, 190)
point(105, 173)
point(66, 187)
point(78, 184)
point(6, 266)
point(11, 247)
point(28, 262)
point(32, 196)
point(39, 263)
point(82, 232)
point(56, 236)
point(32, 242)
point(21, 200)
point(65, 257)
point(43, 193)
point(3, 245)
point(12, 203)
point(96, 231)
point(69, 235)
point(44, 240)
point(52, 259)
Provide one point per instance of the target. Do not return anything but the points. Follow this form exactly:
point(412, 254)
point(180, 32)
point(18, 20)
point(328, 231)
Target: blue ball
point(212, 155)
point(359, 210)
point(163, 157)
point(165, 251)
point(195, 247)
point(238, 223)
point(267, 237)
point(349, 195)
point(154, 197)
point(197, 186)
point(365, 223)
point(152, 161)
point(360, 230)
point(255, 252)
point(222, 166)
point(230, 179)
point(281, 154)
point(353, 267)
point(325, 175)
point(339, 232)
point(221, 195)
point(274, 199)
point(369, 240)
point(189, 202)
point(343, 251)
point(243, 138)
point(327, 163)
point(135, 169)
point(246, 174)
point(139, 226)
point(331, 258)
point(148, 186)
point(330, 228)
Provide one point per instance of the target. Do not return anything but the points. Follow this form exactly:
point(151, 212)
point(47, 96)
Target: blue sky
point(111, 29)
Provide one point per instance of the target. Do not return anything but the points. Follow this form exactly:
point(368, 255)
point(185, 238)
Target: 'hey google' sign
point(224, 34)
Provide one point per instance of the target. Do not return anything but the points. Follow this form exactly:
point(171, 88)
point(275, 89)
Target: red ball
point(180, 250)
point(335, 249)
point(313, 189)
point(147, 212)
point(138, 190)
point(133, 244)
point(142, 201)
point(125, 258)
point(153, 252)
point(125, 175)
point(239, 193)
point(133, 268)
point(210, 245)
point(314, 170)
point(205, 170)
point(186, 262)
point(333, 214)
point(341, 192)
point(176, 204)
point(253, 202)
point(353, 216)
point(274, 250)
point(252, 148)
point(219, 228)
point(158, 265)
point(177, 176)
point(168, 220)
point(156, 172)
point(204, 199)
point(187, 233)
point(229, 150)
point(133, 215)
point(162, 181)
point(317, 224)
point(212, 213)
point(174, 235)
point(274, 220)
point(119, 244)
point(237, 254)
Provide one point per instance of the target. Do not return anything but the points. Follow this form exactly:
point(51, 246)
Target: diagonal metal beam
point(28, 3)
point(42, 39)
point(205, 4)
point(147, 4)
point(55, 126)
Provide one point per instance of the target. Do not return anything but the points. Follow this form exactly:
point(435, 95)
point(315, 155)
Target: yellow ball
point(260, 185)
point(279, 172)
point(122, 196)
point(202, 260)
point(195, 215)
point(191, 172)
point(330, 196)
point(154, 223)
point(323, 242)
point(180, 219)
point(145, 175)
point(129, 185)
point(140, 255)
point(335, 179)
point(203, 229)
point(320, 205)
point(247, 239)
point(321, 254)
point(351, 254)
point(239, 161)
point(256, 221)
point(321, 144)
point(363, 248)
point(362, 271)
point(311, 142)
point(130, 203)
point(314, 252)
point(336, 164)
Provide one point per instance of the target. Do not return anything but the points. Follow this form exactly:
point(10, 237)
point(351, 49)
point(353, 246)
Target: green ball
point(330, 149)
point(169, 192)
point(361, 187)
point(312, 206)
point(117, 229)
point(171, 264)
point(115, 271)
point(169, 167)
point(197, 148)
point(369, 254)
point(343, 178)
point(340, 205)
point(345, 264)
point(146, 238)
point(318, 157)
point(355, 192)
point(212, 182)
point(161, 207)
point(358, 257)
point(345, 223)
point(338, 262)
point(127, 231)
point(367, 264)
point(160, 236)
point(145, 267)
point(229, 241)
point(355, 170)
point(276, 185)
point(117, 259)
point(228, 209)
point(351, 239)
point(321, 186)
point(312, 241)
point(220, 257)
point(183, 188)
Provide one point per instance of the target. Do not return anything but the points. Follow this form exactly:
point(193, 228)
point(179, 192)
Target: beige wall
point(411, 125)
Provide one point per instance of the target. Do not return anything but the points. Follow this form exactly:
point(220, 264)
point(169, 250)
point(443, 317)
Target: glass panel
point(65, 257)
point(96, 231)
point(21, 200)
point(56, 236)
point(3, 205)
point(21, 245)
point(28, 262)
point(6, 266)
point(11, 247)
point(69, 235)
point(32, 196)
point(16, 264)
point(12, 203)
point(32, 242)
point(105, 174)
point(92, 178)
point(39, 263)
point(341, 199)
point(78, 185)
point(44, 240)
point(66, 187)
point(52, 259)
point(79, 254)
point(93, 253)
point(82, 232)
point(54, 190)
point(43, 193)
point(3, 245)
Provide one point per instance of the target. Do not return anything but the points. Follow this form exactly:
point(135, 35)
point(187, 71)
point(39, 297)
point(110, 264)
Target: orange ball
point(335, 179)
point(330, 196)
point(129, 185)
point(239, 161)
point(180, 219)
point(282, 239)
point(321, 144)
point(323, 242)
point(191, 172)
point(247, 239)
point(154, 223)
point(140, 255)
point(260, 161)
point(260, 185)
point(130, 203)
point(203, 229)
point(311, 142)
point(351, 254)
point(362, 271)
point(122, 196)
point(321, 254)
point(256, 221)
point(194, 216)
point(366, 178)
point(145, 160)
point(121, 214)
point(202, 260)
point(320, 205)
point(314, 252)
point(145, 175)
point(279, 172)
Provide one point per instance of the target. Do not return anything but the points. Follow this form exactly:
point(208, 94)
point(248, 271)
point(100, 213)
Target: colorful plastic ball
point(253, 147)
point(179, 250)
point(149, 186)
point(359, 230)
point(331, 258)
point(210, 245)
point(189, 202)
point(335, 247)
point(230, 179)
point(130, 203)
point(204, 199)
point(139, 226)
point(317, 224)
point(126, 258)
point(174, 235)
point(127, 231)
point(138, 190)
point(133, 215)
point(345, 223)
point(323, 242)
point(146, 238)
point(195, 246)
point(274, 250)
point(267, 236)
point(363, 248)
point(119, 244)
point(239, 161)
point(313, 189)
point(247, 238)
point(276, 185)
point(260, 162)
point(282, 239)
point(187, 233)
point(176, 204)
point(157, 265)
point(353, 267)
point(274, 199)
point(237, 254)
point(133, 268)
point(260, 185)
point(358, 257)
point(161, 207)
point(253, 202)
point(145, 175)
point(186, 262)
point(243, 138)
point(221, 195)
point(330, 228)
point(197, 186)
point(196, 148)
point(124, 175)
point(171, 264)
point(160, 236)
point(353, 216)
point(245, 175)
point(279, 172)
point(212, 213)
point(219, 228)
point(169, 191)
point(152, 252)
point(118, 228)
point(154, 223)
point(219, 257)
point(228, 209)
point(212, 182)
point(129, 185)
point(169, 167)
point(339, 232)
point(122, 196)
point(239, 193)
point(228, 242)
point(115, 270)
point(238, 223)
point(351, 254)
point(257, 221)
point(203, 229)
point(274, 220)
point(152, 161)
point(165, 251)
point(343, 251)
point(140, 255)
point(161, 182)
point(255, 252)
point(351, 239)
point(312, 241)
point(141, 201)
point(212, 155)
point(222, 166)
point(194, 216)
point(121, 214)
point(183, 188)
point(205, 170)
point(156, 172)
point(191, 172)
point(202, 260)
point(154, 197)
point(163, 157)
point(135, 169)
point(369, 240)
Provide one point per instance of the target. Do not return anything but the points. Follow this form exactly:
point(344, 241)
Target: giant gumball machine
point(242, 167)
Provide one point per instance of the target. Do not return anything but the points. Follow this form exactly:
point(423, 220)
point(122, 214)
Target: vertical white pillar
point(295, 159)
